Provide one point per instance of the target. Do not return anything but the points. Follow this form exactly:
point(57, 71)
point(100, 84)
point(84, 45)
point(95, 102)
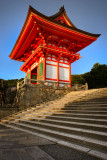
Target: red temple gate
point(48, 46)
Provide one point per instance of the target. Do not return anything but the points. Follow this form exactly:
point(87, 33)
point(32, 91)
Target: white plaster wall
point(51, 62)
point(64, 65)
point(51, 71)
point(63, 73)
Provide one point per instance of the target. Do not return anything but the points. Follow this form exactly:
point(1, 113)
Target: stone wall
point(12, 101)
point(7, 95)
point(32, 95)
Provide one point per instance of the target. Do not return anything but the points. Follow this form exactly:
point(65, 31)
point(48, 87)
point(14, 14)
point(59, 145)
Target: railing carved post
point(54, 84)
point(86, 86)
point(25, 81)
point(17, 86)
point(76, 86)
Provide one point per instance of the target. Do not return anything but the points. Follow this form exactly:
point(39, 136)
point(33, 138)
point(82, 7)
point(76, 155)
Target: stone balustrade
point(53, 84)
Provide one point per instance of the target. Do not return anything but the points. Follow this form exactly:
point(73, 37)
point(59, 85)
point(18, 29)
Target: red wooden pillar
point(38, 72)
point(58, 71)
point(30, 75)
point(70, 75)
point(44, 68)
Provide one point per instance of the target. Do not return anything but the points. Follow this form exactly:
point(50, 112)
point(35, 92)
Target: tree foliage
point(8, 83)
point(77, 79)
point(96, 78)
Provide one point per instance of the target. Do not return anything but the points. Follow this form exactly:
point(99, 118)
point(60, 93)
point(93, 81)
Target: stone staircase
point(78, 120)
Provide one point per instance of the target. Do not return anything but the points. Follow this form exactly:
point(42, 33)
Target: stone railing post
point(65, 85)
point(54, 84)
point(86, 86)
point(25, 80)
point(17, 86)
point(76, 87)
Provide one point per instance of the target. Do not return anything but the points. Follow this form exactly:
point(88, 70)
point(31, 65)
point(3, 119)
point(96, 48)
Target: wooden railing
point(54, 84)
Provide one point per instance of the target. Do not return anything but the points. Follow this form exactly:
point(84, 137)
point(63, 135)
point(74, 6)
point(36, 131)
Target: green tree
point(95, 66)
point(97, 77)
point(77, 79)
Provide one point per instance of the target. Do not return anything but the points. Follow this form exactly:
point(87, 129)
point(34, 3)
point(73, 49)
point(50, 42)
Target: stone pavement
point(18, 145)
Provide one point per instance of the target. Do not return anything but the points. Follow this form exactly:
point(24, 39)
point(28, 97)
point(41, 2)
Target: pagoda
point(48, 46)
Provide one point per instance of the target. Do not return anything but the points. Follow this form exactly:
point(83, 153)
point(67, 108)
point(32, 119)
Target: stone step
point(96, 127)
point(78, 111)
point(93, 95)
point(73, 107)
point(86, 105)
point(70, 107)
point(76, 119)
point(76, 115)
point(96, 116)
point(72, 138)
point(91, 110)
point(90, 102)
point(65, 129)
point(85, 108)
point(68, 119)
point(58, 110)
point(100, 111)
point(88, 150)
point(67, 112)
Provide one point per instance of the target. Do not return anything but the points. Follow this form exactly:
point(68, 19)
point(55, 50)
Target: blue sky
point(88, 15)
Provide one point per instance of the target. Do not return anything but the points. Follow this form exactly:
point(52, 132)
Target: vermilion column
point(70, 74)
point(30, 75)
point(44, 68)
point(58, 72)
point(38, 72)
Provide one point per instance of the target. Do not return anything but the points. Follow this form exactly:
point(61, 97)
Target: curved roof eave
point(31, 9)
point(62, 10)
point(24, 25)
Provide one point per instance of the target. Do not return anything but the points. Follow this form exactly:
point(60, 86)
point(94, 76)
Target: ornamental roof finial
point(62, 8)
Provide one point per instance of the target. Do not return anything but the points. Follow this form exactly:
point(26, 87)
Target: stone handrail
point(47, 83)
point(80, 86)
point(51, 83)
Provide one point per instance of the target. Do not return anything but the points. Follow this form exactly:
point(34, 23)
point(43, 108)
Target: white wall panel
point(50, 62)
point(61, 60)
point(54, 59)
point(51, 72)
point(48, 58)
point(64, 65)
point(63, 73)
